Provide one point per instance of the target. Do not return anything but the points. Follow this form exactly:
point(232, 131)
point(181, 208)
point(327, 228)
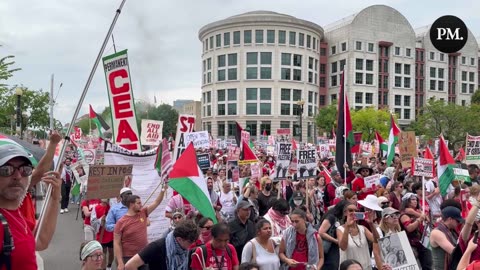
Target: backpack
point(8, 245)
point(203, 247)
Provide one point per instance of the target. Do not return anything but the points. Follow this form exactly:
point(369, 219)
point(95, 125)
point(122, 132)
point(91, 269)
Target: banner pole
point(423, 195)
point(344, 129)
point(75, 115)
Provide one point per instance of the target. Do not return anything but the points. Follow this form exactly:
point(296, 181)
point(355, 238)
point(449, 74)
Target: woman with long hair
point(301, 246)
point(261, 249)
point(412, 221)
point(354, 238)
point(390, 222)
point(328, 231)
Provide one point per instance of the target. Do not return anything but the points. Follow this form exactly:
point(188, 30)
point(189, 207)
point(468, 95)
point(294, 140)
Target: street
point(64, 249)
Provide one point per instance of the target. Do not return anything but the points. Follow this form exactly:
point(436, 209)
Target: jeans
point(65, 195)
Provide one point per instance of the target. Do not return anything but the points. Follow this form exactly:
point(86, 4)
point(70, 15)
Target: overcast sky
point(64, 37)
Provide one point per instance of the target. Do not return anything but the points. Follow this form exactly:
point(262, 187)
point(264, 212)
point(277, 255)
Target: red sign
point(283, 131)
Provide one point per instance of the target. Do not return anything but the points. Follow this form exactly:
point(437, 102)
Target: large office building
point(267, 70)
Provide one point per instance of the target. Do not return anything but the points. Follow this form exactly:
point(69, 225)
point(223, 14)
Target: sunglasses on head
point(9, 170)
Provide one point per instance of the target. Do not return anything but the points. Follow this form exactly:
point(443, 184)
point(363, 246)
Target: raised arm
point(45, 163)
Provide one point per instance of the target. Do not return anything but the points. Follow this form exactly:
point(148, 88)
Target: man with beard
point(15, 169)
point(67, 180)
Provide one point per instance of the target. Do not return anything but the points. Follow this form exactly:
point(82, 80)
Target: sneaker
point(78, 203)
point(66, 210)
point(62, 211)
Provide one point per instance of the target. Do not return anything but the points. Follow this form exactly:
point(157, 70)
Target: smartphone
point(360, 215)
point(475, 237)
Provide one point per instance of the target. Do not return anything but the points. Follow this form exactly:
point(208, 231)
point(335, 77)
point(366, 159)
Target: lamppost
point(19, 93)
point(300, 104)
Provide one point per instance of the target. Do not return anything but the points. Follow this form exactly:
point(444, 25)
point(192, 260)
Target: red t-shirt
point(23, 256)
point(133, 230)
point(463, 246)
point(90, 204)
point(222, 261)
point(357, 185)
point(300, 253)
point(28, 209)
point(101, 211)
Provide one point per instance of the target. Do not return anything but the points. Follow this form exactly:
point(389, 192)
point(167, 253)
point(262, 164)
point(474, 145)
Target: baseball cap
point(125, 189)
point(333, 173)
point(9, 151)
point(452, 212)
point(388, 211)
point(244, 205)
point(297, 195)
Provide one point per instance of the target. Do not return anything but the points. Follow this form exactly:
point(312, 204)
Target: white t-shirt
point(265, 259)
point(434, 202)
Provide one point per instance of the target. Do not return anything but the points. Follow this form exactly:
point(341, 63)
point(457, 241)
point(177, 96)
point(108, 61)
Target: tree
point(476, 97)
point(449, 119)
point(326, 118)
point(165, 113)
point(368, 120)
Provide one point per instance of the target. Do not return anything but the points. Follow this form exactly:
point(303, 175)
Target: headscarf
point(408, 196)
point(89, 248)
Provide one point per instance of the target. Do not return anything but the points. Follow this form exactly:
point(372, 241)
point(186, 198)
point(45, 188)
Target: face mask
point(268, 187)
point(206, 236)
point(297, 202)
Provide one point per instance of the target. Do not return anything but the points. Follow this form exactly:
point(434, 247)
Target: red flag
point(294, 144)
point(461, 155)
point(264, 132)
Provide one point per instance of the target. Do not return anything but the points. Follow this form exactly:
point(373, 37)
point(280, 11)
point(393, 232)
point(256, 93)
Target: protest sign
point(397, 252)
point(307, 163)
point(120, 93)
point(233, 172)
point(89, 155)
point(185, 124)
point(472, 150)
point(105, 181)
point(245, 136)
point(423, 167)
point(144, 181)
point(282, 160)
point(372, 181)
point(407, 144)
point(200, 139)
point(271, 140)
point(151, 132)
point(324, 151)
point(256, 171)
point(233, 153)
point(203, 161)
point(283, 131)
point(461, 174)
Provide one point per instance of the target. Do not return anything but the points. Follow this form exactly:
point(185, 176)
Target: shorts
point(108, 245)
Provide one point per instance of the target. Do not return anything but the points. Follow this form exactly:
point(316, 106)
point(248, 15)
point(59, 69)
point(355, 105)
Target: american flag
point(163, 163)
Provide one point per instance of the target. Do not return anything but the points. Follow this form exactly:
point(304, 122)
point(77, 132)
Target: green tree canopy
point(476, 97)
point(326, 118)
point(368, 120)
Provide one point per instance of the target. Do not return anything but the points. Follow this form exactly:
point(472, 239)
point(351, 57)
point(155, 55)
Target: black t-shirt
point(155, 254)
point(264, 202)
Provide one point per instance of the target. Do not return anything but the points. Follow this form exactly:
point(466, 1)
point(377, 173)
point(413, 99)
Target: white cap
point(125, 189)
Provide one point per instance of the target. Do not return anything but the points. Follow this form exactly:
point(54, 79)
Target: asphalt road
point(63, 252)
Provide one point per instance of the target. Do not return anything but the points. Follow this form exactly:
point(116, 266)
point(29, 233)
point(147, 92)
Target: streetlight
point(19, 93)
point(300, 103)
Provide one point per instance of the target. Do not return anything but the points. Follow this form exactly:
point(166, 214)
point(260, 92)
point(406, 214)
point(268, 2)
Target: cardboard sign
point(203, 161)
point(423, 167)
point(105, 182)
point(284, 154)
point(407, 144)
point(372, 181)
point(186, 124)
point(307, 163)
point(397, 252)
point(151, 132)
point(120, 94)
point(200, 139)
point(472, 150)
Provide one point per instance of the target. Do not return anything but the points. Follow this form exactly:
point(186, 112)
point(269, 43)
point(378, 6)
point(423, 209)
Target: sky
point(64, 37)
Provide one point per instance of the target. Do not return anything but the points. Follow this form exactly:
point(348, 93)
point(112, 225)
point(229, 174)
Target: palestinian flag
point(461, 155)
point(345, 138)
point(6, 140)
point(238, 134)
point(445, 164)
point(381, 142)
point(99, 122)
point(187, 179)
point(392, 140)
point(163, 161)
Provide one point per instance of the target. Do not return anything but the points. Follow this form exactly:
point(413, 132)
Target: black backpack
point(7, 244)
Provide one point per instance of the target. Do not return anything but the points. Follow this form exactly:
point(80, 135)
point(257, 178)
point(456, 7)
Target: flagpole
point(75, 115)
point(344, 129)
point(423, 195)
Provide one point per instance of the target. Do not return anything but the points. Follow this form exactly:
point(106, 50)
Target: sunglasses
point(9, 170)
point(350, 210)
point(393, 216)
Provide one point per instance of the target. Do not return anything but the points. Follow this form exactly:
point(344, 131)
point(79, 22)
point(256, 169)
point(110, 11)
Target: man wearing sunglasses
point(15, 171)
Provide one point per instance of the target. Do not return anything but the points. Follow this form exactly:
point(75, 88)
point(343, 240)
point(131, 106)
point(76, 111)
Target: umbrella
point(35, 150)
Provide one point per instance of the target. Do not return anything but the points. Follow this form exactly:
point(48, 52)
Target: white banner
point(186, 123)
point(372, 181)
point(144, 180)
point(120, 94)
point(283, 151)
point(151, 132)
point(200, 139)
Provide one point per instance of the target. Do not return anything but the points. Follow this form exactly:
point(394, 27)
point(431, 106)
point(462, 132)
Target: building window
point(358, 64)
point(258, 36)
point(369, 65)
point(408, 52)
point(226, 39)
point(287, 60)
point(341, 63)
point(232, 128)
point(284, 124)
point(369, 79)
point(406, 82)
point(370, 47)
point(406, 101)
point(285, 94)
point(432, 55)
point(292, 38)
point(440, 73)
point(232, 94)
point(309, 41)
point(323, 69)
point(440, 86)
point(464, 88)
point(334, 67)
point(398, 81)
point(471, 76)
point(358, 78)
point(218, 41)
point(368, 98)
point(252, 127)
point(397, 51)
point(285, 109)
point(463, 103)
point(472, 88)
point(263, 66)
point(211, 42)
point(236, 38)
point(247, 36)
point(323, 82)
point(406, 69)
point(358, 45)
point(464, 60)
point(265, 127)
point(406, 113)
point(398, 68)
point(221, 129)
point(221, 95)
point(282, 37)
point(251, 108)
point(301, 39)
point(232, 109)
point(333, 80)
point(344, 46)
point(334, 49)
point(323, 51)
point(472, 61)
point(221, 109)
point(270, 36)
point(433, 72)
point(432, 84)
point(398, 100)
point(297, 95)
point(358, 97)
point(464, 76)
point(322, 100)
point(442, 57)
